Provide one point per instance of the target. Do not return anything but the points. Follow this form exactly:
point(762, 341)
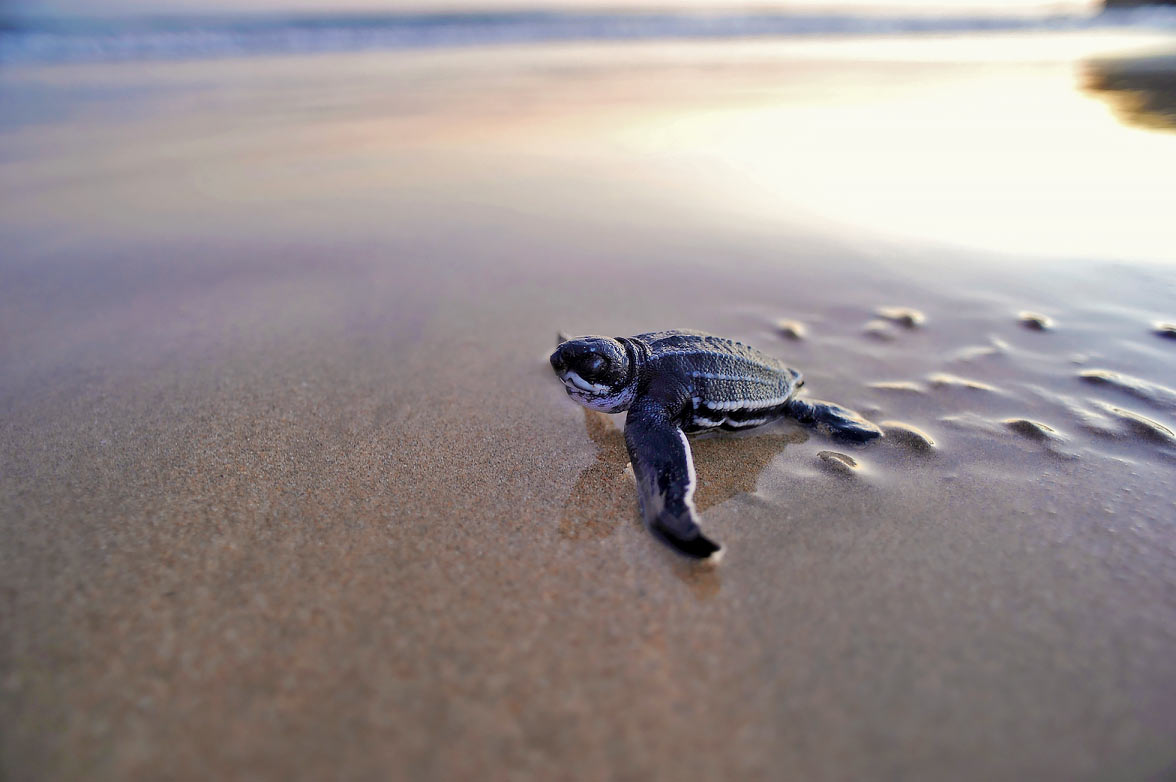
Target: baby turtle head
point(599, 372)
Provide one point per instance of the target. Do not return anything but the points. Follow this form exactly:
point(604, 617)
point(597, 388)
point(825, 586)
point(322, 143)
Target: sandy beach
point(289, 491)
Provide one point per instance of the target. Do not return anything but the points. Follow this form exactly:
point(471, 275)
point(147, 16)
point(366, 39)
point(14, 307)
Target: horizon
point(121, 9)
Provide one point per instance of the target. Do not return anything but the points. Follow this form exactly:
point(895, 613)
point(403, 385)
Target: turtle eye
point(593, 364)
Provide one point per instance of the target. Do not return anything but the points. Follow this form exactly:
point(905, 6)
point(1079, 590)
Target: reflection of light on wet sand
point(1016, 159)
point(984, 142)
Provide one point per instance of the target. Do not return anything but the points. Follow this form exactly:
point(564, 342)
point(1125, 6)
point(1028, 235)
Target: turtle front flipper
point(665, 480)
point(834, 419)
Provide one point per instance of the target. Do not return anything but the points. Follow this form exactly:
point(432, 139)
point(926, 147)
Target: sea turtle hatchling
point(678, 382)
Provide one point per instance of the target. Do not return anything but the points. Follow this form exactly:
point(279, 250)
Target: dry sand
point(288, 490)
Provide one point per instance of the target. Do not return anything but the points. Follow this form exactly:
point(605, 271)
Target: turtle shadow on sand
point(605, 495)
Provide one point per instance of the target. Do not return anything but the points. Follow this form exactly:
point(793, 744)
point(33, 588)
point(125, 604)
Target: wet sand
point(289, 491)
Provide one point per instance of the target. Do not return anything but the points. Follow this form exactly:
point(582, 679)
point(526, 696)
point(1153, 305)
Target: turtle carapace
point(678, 382)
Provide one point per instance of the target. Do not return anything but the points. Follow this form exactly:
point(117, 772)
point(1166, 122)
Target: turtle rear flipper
point(834, 419)
point(665, 481)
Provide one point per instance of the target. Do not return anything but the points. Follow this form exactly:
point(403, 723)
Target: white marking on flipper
point(691, 482)
point(691, 478)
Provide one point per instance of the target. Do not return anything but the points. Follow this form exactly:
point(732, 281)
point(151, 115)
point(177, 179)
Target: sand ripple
point(903, 316)
point(1034, 430)
point(792, 329)
point(1035, 321)
point(1136, 425)
point(838, 463)
point(946, 380)
point(907, 386)
point(975, 352)
point(1137, 387)
point(879, 329)
point(908, 436)
point(1164, 329)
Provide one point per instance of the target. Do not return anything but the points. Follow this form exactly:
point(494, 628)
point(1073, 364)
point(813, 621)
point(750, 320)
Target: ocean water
point(155, 37)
